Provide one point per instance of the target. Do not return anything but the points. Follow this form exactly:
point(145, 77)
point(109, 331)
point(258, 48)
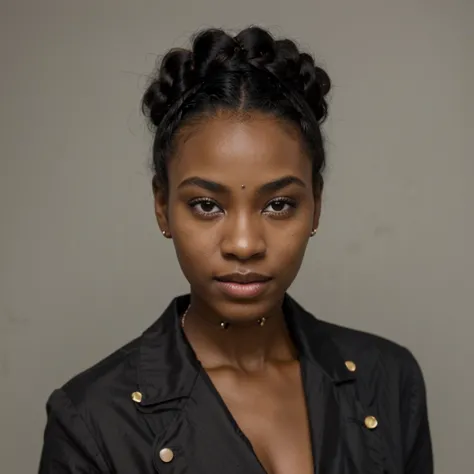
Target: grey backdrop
point(83, 266)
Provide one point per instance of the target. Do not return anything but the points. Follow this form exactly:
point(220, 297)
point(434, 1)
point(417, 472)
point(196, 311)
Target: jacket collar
point(313, 340)
point(168, 367)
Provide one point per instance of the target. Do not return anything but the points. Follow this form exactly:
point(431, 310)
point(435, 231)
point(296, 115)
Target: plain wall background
point(83, 265)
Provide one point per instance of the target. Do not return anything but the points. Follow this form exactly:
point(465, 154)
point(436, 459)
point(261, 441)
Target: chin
point(246, 311)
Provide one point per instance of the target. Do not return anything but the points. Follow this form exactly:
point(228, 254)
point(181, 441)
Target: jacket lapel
point(205, 439)
point(324, 375)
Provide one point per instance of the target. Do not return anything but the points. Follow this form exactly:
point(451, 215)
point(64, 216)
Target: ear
point(161, 207)
point(318, 195)
point(317, 211)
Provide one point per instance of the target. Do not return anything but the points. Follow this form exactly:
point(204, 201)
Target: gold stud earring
point(313, 233)
point(165, 234)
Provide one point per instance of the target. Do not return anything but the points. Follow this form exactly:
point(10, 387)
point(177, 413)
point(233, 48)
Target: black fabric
point(94, 426)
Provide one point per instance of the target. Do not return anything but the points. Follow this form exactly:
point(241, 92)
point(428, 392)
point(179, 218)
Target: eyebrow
point(281, 183)
point(269, 187)
point(205, 184)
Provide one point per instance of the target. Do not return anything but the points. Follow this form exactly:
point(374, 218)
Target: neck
point(245, 347)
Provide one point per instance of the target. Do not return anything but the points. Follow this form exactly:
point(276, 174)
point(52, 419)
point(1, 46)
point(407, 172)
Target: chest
point(270, 411)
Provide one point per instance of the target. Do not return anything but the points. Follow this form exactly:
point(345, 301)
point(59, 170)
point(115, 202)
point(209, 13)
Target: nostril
point(244, 254)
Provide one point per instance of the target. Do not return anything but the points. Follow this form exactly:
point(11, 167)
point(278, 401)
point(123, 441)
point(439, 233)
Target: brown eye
point(280, 206)
point(205, 207)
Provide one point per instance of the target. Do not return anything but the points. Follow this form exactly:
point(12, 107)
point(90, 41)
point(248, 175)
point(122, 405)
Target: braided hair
point(248, 72)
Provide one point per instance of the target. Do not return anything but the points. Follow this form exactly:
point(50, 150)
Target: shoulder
point(115, 371)
point(142, 366)
point(357, 341)
point(388, 378)
point(83, 412)
point(390, 384)
point(104, 391)
point(94, 390)
point(375, 356)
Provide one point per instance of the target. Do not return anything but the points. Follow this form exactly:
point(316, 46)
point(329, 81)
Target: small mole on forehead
point(243, 186)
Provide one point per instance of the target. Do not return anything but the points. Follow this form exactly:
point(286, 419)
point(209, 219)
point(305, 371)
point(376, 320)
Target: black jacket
point(371, 420)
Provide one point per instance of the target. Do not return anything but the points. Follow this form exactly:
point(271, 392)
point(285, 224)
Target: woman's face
point(240, 210)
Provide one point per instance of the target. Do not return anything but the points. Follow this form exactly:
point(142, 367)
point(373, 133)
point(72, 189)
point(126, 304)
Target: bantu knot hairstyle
point(251, 71)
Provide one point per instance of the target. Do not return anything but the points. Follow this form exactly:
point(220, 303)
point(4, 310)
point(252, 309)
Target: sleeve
point(415, 425)
point(69, 447)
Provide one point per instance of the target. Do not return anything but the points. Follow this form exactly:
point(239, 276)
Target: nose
point(243, 239)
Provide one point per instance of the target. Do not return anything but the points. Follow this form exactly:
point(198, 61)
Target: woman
point(237, 377)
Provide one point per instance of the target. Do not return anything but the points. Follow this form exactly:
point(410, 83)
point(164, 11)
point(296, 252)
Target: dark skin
point(259, 218)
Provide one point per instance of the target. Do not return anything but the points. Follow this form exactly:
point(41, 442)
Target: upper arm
point(69, 447)
point(418, 456)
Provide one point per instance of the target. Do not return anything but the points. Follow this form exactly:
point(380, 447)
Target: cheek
point(293, 248)
point(194, 256)
point(195, 248)
point(288, 253)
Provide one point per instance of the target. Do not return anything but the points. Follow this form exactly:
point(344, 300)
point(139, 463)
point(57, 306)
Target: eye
point(205, 207)
point(280, 206)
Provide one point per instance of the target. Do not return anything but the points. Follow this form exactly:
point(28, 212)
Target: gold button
point(350, 366)
point(371, 422)
point(137, 397)
point(166, 455)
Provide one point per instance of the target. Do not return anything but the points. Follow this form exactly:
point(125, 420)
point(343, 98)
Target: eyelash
point(195, 202)
point(281, 200)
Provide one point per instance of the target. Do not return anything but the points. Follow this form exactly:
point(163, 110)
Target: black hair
point(248, 72)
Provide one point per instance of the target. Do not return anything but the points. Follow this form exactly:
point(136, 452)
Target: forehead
point(235, 149)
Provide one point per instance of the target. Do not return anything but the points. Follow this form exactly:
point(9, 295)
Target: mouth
point(243, 285)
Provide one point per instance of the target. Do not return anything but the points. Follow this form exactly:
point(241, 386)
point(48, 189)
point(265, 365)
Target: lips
point(243, 278)
point(243, 285)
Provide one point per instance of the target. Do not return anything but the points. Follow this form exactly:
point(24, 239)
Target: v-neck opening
point(303, 362)
point(240, 432)
point(303, 368)
point(231, 418)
